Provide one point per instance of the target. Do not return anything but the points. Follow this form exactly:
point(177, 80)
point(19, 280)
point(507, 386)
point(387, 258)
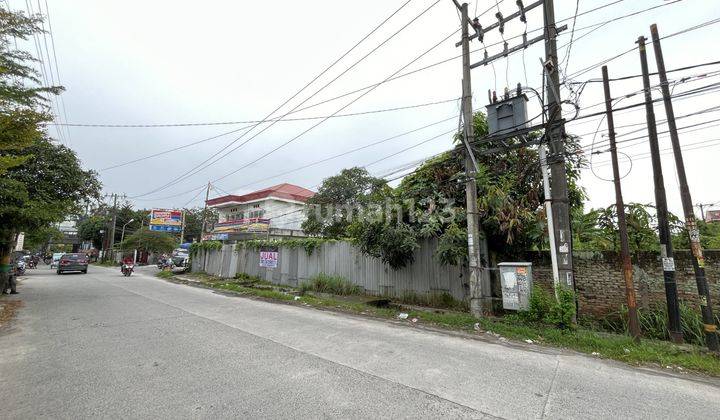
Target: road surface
point(101, 345)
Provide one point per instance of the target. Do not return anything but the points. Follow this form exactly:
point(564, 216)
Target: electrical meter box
point(516, 284)
point(507, 115)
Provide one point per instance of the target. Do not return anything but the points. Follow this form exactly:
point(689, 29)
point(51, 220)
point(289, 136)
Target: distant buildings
point(277, 211)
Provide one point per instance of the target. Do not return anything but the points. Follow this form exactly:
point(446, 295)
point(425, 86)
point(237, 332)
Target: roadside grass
point(164, 274)
point(619, 347)
point(335, 285)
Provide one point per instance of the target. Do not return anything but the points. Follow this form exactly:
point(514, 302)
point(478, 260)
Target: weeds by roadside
point(335, 285)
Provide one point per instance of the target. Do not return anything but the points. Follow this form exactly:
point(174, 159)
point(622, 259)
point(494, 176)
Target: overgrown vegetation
point(547, 310)
point(308, 244)
point(335, 285)
point(206, 245)
point(149, 241)
point(429, 203)
point(442, 300)
point(654, 323)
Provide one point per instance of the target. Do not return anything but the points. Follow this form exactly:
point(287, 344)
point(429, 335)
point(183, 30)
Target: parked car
point(73, 262)
point(56, 259)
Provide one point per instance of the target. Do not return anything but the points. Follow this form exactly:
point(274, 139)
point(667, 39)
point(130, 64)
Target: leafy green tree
point(47, 187)
point(150, 241)
point(39, 239)
point(194, 220)
point(331, 210)
point(709, 236)
point(92, 229)
point(23, 106)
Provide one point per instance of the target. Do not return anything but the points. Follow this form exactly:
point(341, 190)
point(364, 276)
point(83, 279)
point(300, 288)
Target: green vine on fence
point(207, 245)
point(309, 244)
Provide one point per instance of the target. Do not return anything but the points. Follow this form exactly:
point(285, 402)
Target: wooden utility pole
point(480, 302)
point(204, 215)
point(633, 322)
point(556, 136)
point(711, 336)
point(666, 248)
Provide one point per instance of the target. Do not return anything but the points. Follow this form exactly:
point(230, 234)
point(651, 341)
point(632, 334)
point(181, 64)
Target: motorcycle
point(32, 263)
point(127, 269)
point(20, 268)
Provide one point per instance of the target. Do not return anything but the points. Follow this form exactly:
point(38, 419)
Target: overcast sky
point(171, 62)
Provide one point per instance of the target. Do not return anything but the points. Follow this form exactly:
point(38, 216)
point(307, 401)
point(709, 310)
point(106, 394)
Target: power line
point(200, 167)
point(289, 119)
point(60, 107)
point(607, 60)
point(345, 106)
point(339, 110)
point(317, 162)
point(278, 119)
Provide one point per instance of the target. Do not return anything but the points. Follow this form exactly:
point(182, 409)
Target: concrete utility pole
point(633, 321)
point(548, 213)
point(480, 299)
point(182, 227)
point(110, 231)
point(666, 248)
point(702, 209)
point(711, 336)
point(204, 215)
point(556, 136)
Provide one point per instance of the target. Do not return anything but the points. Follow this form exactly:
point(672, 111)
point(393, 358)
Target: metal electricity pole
point(633, 321)
point(666, 248)
point(204, 214)
point(480, 300)
point(711, 336)
point(556, 135)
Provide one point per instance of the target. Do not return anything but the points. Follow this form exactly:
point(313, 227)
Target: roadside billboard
point(250, 225)
point(166, 220)
point(712, 216)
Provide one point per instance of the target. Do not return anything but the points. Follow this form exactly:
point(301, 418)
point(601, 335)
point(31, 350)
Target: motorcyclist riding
point(127, 264)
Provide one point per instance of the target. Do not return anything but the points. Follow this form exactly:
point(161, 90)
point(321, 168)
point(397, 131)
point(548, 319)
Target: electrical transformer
point(507, 115)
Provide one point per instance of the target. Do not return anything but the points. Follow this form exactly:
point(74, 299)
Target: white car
point(56, 259)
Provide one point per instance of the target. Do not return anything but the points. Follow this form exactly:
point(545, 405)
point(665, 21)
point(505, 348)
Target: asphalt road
point(101, 345)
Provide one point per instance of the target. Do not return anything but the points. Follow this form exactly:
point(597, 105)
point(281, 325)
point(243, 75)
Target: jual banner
point(166, 220)
point(250, 225)
point(269, 257)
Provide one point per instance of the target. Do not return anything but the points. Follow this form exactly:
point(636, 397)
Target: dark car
point(72, 262)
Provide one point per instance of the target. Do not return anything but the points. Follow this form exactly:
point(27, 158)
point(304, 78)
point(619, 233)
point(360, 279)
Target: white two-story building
point(277, 208)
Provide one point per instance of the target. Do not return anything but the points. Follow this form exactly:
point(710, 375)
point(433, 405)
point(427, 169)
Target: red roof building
point(282, 191)
point(280, 206)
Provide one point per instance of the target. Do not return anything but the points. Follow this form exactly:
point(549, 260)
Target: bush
point(335, 285)
point(247, 278)
point(562, 312)
point(654, 323)
point(545, 309)
point(442, 300)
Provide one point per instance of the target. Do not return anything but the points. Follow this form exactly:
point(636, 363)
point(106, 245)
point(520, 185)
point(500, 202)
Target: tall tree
point(40, 182)
point(149, 241)
point(339, 198)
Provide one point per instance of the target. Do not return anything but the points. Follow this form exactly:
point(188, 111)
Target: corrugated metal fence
point(424, 277)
